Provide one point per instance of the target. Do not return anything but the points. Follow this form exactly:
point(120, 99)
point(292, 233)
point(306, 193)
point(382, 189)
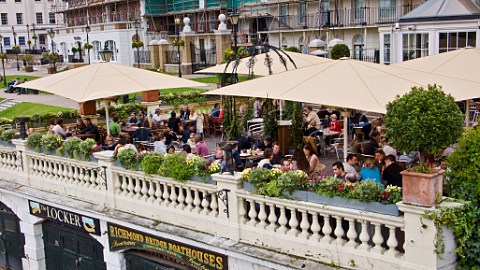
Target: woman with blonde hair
point(198, 118)
point(370, 171)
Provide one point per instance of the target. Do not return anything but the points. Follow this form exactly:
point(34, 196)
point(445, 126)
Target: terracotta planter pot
point(151, 95)
point(421, 189)
point(51, 70)
point(28, 68)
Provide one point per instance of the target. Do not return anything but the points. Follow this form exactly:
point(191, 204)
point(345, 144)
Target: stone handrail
point(323, 233)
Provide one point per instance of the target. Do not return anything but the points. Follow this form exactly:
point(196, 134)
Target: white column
point(34, 249)
point(106, 158)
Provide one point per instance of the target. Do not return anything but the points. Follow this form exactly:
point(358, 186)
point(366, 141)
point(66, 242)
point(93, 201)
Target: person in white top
point(349, 166)
point(198, 118)
point(58, 128)
point(311, 115)
point(157, 118)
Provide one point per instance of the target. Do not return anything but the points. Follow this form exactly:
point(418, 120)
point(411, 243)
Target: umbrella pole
point(345, 115)
point(106, 118)
point(467, 113)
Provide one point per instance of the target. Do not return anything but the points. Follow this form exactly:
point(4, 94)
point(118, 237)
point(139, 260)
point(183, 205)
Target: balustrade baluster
point(181, 198)
point(189, 199)
point(326, 230)
point(315, 228)
point(196, 201)
point(151, 192)
point(75, 174)
point(392, 241)
point(33, 165)
point(272, 217)
point(45, 168)
point(81, 176)
point(54, 172)
point(158, 193)
point(339, 232)
point(173, 196)
point(364, 236)
point(282, 220)
point(64, 177)
point(144, 190)
point(4, 160)
point(262, 215)
point(304, 224)
point(293, 222)
point(69, 174)
point(137, 189)
point(351, 233)
point(93, 179)
point(131, 187)
point(124, 186)
point(242, 211)
point(166, 195)
point(117, 184)
point(205, 205)
point(214, 206)
point(378, 238)
point(49, 169)
point(252, 214)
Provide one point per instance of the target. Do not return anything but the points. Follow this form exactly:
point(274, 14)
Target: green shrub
point(69, 147)
point(175, 166)
point(292, 180)
point(340, 50)
point(151, 162)
point(293, 49)
point(330, 187)
point(128, 158)
point(34, 141)
point(198, 165)
point(85, 148)
point(51, 141)
point(8, 135)
point(367, 191)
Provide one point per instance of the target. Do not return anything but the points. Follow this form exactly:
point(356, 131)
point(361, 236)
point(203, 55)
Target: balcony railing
point(365, 16)
point(306, 230)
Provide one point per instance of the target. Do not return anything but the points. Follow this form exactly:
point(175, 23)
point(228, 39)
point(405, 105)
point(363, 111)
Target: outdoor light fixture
point(87, 30)
point(16, 51)
point(106, 53)
point(51, 33)
point(3, 63)
point(137, 39)
point(177, 28)
point(28, 37)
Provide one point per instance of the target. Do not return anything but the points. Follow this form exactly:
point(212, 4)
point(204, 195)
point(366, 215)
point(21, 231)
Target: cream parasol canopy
point(103, 80)
point(260, 69)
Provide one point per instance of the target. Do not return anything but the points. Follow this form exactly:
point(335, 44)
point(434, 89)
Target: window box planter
point(203, 179)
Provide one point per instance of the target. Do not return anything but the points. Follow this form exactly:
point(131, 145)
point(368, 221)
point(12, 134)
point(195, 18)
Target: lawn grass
point(21, 77)
point(211, 79)
point(29, 109)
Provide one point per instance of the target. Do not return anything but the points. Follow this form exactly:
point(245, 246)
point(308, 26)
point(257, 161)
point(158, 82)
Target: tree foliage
point(270, 119)
point(339, 51)
point(424, 120)
point(293, 49)
point(296, 131)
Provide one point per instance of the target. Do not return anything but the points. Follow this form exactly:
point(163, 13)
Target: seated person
point(142, 134)
point(266, 143)
point(310, 128)
point(109, 143)
point(90, 128)
point(371, 172)
point(299, 161)
point(265, 162)
point(114, 127)
point(173, 122)
point(183, 134)
point(171, 149)
point(159, 145)
point(79, 125)
point(157, 118)
point(187, 151)
point(239, 166)
point(59, 129)
point(391, 173)
point(142, 120)
point(184, 113)
point(11, 85)
point(123, 145)
point(191, 142)
point(334, 124)
point(218, 155)
point(202, 149)
point(170, 137)
point(133, 119)
point(371, 145)
point(277, 155)
point(215, 111)
point(286, 165)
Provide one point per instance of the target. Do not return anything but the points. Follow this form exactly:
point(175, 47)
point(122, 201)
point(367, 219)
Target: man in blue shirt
point(215, 111)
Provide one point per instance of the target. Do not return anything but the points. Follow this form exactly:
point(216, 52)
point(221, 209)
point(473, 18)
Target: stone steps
point(7, 103)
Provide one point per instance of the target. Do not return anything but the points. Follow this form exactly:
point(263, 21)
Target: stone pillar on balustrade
point(223, 39)
point(162, 53)
point(106, 160)
point(31, 228)
point(188, 37)
point(23, 165)
point(421, 236)
point(227, 186)
point(154, 53)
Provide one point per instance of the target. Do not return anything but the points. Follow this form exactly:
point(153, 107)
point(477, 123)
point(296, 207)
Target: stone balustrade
point(329, 234)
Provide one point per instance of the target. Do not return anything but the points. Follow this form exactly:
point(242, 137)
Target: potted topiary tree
point(423, 120)
point(27, 58)
point(339, 51)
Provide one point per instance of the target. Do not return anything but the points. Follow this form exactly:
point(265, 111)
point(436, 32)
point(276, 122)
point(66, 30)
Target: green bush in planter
point(85, 149)
point(127, 158)
point(175, 166)
point(151, 162)
point(34, 141)
point(198, 165)
point(1, 131)
point(340, 50)
point(292, 180)
point(8, 135)
point(51, 141)
point(367, 191)
point(69, 147)
point(424, 120)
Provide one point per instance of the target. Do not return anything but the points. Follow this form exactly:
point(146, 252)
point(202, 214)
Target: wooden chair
point(207, 128)
point(217, 125)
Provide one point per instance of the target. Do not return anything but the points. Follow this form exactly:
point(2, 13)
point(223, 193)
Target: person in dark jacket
point(391, 173)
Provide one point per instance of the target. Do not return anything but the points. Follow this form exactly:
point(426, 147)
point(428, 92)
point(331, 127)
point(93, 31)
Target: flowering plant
point(292, 180)
point(70, 147)
point(198, 165)
point(246, 174)
point(391, 194)
point(127, 158)
point(214, 167)
point(367, 191)
point(331, 187)
point(88, 46)
point(178, 42)
point(29, 41)
point(137, 44)
point(3, 56)
point(85, 148)
point(51, 141)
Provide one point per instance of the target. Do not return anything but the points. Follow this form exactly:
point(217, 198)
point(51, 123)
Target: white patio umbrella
point(461, 64)
point(104, 80)
point(260, 69)
point(318, 52)
point(344, 83)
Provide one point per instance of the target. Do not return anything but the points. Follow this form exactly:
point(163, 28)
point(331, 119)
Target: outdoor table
point(85, 136)
point(129, 131)
point(147, 146)
point(250, 160)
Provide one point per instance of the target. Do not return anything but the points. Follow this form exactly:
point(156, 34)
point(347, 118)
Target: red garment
point(335, 126)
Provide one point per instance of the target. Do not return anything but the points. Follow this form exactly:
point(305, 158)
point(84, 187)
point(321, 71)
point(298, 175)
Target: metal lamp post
point(34, 37)
point(87, 30)
point(137, 39)
point(28, 38)
point(3, 63)
point(51, 33)
point(15, 51)
point(234, 20)
point(177, 28)
point(106, 54)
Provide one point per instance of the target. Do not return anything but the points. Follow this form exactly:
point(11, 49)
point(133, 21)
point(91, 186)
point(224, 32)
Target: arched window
point(112, 46)
point(358, 47)
point(96, 50)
